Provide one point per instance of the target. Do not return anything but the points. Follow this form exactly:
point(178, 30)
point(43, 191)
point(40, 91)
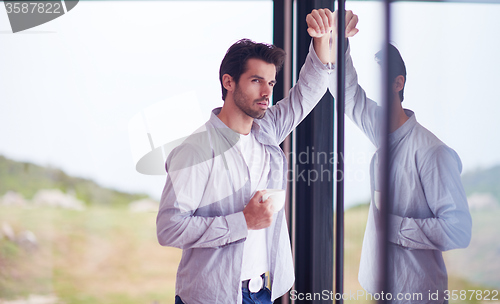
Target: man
point(429, 212)
point(211, 205)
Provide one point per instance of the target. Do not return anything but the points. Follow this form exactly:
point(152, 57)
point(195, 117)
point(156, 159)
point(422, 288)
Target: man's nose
point(267, 90)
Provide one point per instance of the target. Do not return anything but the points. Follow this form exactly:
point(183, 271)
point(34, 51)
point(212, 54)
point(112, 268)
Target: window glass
point(452, 66)
point(72, 91)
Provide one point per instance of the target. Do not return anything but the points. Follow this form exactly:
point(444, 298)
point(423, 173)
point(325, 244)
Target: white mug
point(277, 196)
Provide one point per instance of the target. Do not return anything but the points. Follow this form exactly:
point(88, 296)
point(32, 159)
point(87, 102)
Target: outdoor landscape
point(68, 240)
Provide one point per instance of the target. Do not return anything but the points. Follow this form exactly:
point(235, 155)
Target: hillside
point(110, 255)
point(27, 178)
point(101, 255)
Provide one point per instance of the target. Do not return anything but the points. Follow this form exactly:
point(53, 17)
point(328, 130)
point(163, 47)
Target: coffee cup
point(277, 196)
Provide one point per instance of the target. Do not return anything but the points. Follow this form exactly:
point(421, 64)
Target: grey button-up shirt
point(429, 214)
point(207, 187)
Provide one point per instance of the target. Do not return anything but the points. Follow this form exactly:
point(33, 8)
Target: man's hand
point(320, 23)
point(258, 214)
point(351, 20)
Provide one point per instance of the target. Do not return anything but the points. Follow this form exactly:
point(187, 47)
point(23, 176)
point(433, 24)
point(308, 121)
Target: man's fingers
point(348, 16)
point(330, 17)
point(313, 33)
point(257, 197)
point(352, 33)
point(351, 22)
point(326, 22)
point(314, 28)
point(319, 21)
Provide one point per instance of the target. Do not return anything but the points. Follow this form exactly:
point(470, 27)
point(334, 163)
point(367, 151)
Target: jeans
point(261, 297)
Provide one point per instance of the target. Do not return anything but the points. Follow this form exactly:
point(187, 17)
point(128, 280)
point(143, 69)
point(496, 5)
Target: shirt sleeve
point(303, 97)
point(177, 225)
point(363, 111)
point(451, 226)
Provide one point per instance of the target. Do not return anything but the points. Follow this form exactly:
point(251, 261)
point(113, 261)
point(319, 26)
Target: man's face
point(255, 87)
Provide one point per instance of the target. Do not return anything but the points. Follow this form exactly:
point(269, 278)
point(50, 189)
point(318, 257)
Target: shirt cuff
point(237, 226)
point(395, 223)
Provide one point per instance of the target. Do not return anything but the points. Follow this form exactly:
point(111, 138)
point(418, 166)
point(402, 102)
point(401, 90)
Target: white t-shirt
point(255, 260)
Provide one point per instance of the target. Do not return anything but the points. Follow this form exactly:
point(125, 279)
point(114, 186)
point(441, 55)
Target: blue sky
point(70, 88)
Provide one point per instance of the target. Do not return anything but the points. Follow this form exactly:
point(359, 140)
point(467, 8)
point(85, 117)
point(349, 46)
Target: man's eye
point(256, 80)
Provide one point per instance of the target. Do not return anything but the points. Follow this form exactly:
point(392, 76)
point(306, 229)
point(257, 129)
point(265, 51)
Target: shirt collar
point(229, 133)
point(406, 128)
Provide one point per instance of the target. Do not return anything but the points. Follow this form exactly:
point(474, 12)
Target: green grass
point(101, 255)
point(111, 256)
point(465, 266)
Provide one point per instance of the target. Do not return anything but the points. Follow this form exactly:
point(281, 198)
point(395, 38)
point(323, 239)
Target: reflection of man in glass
point(234, 245)
point(429, 213)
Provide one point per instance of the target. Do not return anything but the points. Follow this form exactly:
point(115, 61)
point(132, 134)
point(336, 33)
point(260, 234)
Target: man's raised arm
point(322, 26)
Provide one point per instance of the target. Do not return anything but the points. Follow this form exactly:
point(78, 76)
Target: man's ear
point(399, 83)
point(228, 82)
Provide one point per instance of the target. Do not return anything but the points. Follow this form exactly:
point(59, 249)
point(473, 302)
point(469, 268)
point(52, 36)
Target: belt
point(255, 284)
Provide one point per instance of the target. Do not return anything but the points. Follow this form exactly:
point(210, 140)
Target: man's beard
point(241, 101)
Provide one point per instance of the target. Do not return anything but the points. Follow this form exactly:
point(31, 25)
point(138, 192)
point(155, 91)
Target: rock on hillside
point(12, 198)
point(56, 198)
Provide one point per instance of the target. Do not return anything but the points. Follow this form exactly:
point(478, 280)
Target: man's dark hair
point(397, 65)
point(235, 60)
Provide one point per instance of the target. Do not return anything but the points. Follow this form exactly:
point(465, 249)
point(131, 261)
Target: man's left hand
point(322, 21)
